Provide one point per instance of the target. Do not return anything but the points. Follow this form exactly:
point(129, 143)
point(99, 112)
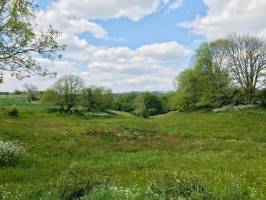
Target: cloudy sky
point(138, 45)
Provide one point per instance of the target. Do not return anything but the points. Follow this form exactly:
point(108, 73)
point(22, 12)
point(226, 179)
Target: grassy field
point(194, 155)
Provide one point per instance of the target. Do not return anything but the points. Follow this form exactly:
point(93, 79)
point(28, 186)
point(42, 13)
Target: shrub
point(72, 186)
point(141, 112)
point(11, 111)
point(261, 97)
point(77, 182)
point(10, 152)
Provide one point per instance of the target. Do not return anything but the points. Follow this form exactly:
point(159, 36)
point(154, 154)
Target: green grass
point(226, 152)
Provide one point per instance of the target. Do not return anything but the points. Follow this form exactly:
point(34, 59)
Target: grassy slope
point(219, 149)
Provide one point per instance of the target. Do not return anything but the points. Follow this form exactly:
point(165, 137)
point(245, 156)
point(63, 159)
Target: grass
point(226, 152)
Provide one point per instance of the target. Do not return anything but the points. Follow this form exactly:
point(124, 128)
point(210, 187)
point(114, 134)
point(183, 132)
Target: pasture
point(213, 155)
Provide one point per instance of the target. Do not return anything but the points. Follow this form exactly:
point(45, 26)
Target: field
point(222, 153)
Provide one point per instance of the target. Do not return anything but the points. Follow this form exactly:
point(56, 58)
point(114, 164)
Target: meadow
point(178, 155)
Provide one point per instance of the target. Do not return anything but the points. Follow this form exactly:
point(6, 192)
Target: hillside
point(223, 152)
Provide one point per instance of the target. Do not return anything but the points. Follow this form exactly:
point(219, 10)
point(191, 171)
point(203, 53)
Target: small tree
point(31, 92)
point(87, 99)
point(97, 99)
point(124, 102)
point(140, 107)
point(148, 104)
point(64, 92)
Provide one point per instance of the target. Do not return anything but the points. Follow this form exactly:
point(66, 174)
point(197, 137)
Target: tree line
point(69, 94)
point(227, 71)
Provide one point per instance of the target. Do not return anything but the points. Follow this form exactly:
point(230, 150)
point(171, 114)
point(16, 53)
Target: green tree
point(97, 99)
point(148, 104)
point(212, 75)
point(207, 83)
point(124, 102)
point(87, 99)
point(188, 89)
point(19, 40)
point(65, 92)
point(140, 108)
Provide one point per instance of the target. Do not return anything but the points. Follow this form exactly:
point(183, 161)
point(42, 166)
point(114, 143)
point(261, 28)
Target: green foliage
point(205, 85)
point(237, 96)
point(261, 97)
point(142, 104)
point(10, 111)
point(125, 102)
point(217, 77)
point(19, 41)
point(69, 94)
point(72, 186)
point(97, 99)
point(149, 104)
point(64, 93)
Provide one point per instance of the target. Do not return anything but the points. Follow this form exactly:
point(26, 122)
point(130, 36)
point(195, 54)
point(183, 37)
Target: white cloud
point(176, 4)
point(229, 16)
point(69, 25)
point(149, 67)
point(102, 9)
point(77, 17)
point(122, 68)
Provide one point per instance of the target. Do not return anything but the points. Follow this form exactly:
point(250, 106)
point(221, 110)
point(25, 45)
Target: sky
point(137, 45)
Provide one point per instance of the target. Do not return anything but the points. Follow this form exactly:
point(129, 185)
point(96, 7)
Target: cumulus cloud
point(149, 67)
point(228, 16)
point(70, 16)
point(102, 9)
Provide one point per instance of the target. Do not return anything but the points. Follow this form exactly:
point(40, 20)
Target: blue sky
point(130, 45)
point(155, 28)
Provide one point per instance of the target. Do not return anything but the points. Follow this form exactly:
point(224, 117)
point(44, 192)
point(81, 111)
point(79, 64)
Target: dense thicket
point(125, 102)
point(141, 104)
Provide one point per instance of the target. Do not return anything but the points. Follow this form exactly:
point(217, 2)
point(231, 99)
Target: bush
point(141, 113)
point(72, 186)
point(10, 152)
point(261, 97)
point(11, 111)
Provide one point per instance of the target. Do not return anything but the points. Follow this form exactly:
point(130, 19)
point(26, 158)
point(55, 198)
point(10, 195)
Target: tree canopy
point(21, 43)
point(225, 71)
